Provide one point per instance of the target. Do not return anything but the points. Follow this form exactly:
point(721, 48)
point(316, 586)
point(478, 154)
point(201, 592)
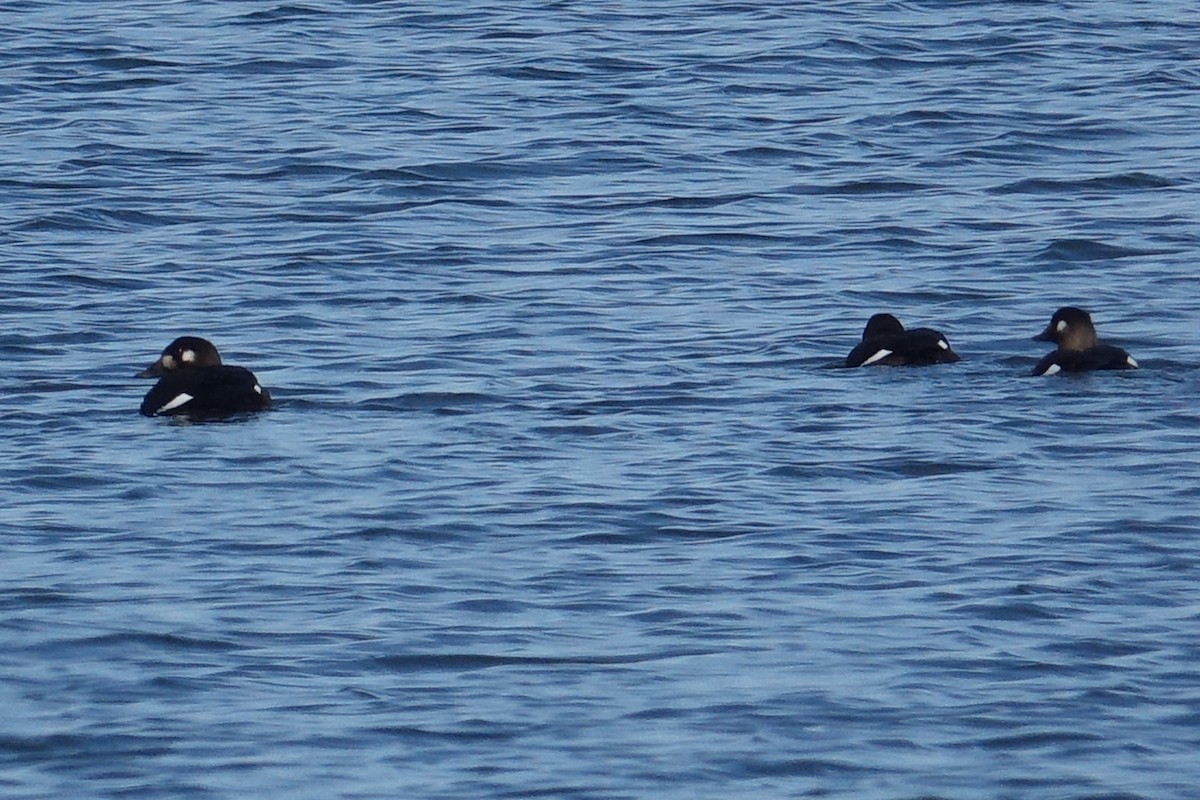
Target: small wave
point(536, 73)
point(1008, 611)
point(765, 155)
point(698, 202)
point(133, 62)
point(23, 597)
point(83, 746)
point(111, 220)
point(294, 170)
point(475, 732)
point(441, 402)
point(475, 661)
point(1092, 649)
point(701, 239)
point(794, 767)
point(1090, 250)
point(1122, 182)
point(1036, 739)
point(863, 187)
point(577, 430)
point(278, 14)
point(98, 87)
point(122, 642)
point(907, 468)
point(257, 67)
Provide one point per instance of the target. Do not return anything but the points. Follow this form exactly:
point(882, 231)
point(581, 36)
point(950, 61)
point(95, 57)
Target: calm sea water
point(562, 498)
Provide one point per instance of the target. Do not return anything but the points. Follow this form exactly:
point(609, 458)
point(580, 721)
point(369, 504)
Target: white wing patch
point(942, 343)
point(879, 356)
point(1052, 369)
point(1129, 360)
point(258, 388)
point(180, 399)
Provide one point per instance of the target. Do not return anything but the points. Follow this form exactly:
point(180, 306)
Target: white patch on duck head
point(1061, 326)
point(176, 402)
point(168, 361)
point(879, 356)
point(187, 356)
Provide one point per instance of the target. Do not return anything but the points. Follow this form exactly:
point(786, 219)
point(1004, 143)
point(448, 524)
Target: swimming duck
point(193, 381)
point(885, 341)
point(1079, 350)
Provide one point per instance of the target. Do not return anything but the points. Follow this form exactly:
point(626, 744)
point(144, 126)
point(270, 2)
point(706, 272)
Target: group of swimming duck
point(194, 382)
point(886, 341)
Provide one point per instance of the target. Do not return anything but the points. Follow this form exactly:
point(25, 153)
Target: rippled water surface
point(562, 497)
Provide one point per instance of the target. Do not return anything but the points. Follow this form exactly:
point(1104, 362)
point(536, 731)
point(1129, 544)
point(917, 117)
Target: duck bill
point(153, 371)
point(1045, 336)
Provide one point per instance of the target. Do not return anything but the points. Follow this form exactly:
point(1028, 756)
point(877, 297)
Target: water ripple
point(563, 494)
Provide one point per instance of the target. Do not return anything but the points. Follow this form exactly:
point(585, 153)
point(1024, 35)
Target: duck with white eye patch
point(1079, 349)
point(886, 342)
point(193, 381)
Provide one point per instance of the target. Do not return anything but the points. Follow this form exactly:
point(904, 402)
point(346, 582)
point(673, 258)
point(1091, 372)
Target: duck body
point(1079, 349)
point(193, 382)
point(887, 342)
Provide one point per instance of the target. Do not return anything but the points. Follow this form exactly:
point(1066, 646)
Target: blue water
point(561, 497)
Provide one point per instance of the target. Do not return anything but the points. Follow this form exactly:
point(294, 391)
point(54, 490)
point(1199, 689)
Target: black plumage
point(886, 342)
point(194, 382)
point(1079, 349)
